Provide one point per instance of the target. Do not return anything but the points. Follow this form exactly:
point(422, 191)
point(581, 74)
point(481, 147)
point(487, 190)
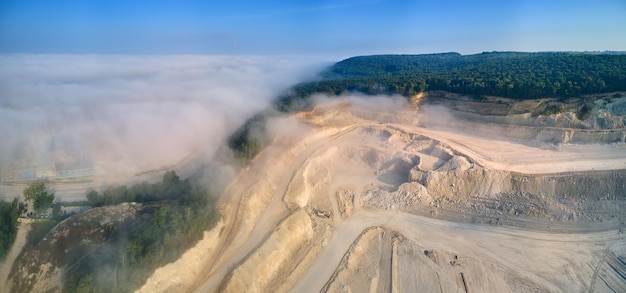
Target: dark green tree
point(37, 193)
point(9, 212)
point(94, 198)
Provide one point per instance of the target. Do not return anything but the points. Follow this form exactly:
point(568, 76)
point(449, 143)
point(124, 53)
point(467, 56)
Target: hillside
point(506, 74)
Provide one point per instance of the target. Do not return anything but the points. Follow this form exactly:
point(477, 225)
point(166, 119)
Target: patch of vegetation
point(37, 193)
point(9, 212)
point(39, 229)
point(173, 220)
point(506, 74)
point(248, 150)
point(583, 113)
point(249, 139)
point(170, 188)
point(551, 110)
point(78, 203)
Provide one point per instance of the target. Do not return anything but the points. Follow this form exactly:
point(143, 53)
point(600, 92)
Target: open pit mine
point(371, 195)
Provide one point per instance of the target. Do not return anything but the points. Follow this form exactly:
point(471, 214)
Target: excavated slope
point(597, 118)
point(366, 197)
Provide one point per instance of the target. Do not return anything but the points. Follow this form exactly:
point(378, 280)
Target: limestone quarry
point(380, 195)
point(438, 194)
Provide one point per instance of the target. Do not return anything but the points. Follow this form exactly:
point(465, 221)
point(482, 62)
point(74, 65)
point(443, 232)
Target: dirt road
point(20, 241)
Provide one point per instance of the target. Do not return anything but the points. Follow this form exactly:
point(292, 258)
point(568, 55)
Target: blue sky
point(341, 28)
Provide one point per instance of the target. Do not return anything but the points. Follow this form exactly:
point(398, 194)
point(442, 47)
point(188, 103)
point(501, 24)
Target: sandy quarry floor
point(353, 204)
point(486, 256)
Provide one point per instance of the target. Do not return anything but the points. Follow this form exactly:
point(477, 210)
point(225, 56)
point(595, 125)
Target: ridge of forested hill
point(514, 75)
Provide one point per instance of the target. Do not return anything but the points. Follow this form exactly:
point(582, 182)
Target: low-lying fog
point(127, 114)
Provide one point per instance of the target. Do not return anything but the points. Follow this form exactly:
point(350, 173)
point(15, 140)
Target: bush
point(9, 212)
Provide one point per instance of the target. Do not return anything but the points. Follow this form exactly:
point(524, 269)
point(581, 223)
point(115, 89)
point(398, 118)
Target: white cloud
point(132, 113)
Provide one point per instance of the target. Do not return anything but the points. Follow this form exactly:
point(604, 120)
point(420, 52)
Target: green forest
point(506, 74)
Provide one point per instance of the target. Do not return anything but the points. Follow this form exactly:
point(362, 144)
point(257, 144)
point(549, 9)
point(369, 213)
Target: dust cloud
point(124, 115)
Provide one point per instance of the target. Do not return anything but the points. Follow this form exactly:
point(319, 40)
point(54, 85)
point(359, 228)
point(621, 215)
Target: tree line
point(508, 74)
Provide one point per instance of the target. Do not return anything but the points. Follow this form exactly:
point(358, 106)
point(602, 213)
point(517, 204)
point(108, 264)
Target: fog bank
point(128, 114)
